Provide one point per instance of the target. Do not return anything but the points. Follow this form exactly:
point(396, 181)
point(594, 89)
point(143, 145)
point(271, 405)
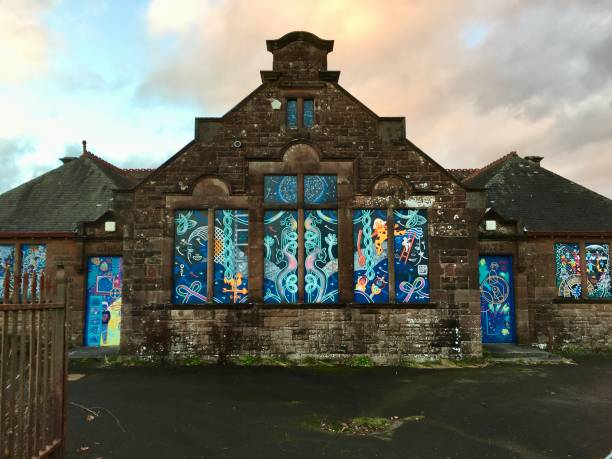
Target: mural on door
point(103, 322)
point(496, 299)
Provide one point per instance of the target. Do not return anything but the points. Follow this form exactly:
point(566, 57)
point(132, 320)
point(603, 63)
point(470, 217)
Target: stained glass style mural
point(411, 256)
point(231, 284)
point(496, 299)
point(280, 263)
point(308, 113)
point(104, 283)
point(7, 266)
point(280, 189)
point(597, 259)
point(320, 189)
point(33, 262)
point(371, 265)
point(321, 251)
point(190, 257)
point(567, 267)
point(291, 113)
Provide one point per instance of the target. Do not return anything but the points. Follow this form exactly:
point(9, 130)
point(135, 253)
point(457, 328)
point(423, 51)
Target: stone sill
point(582, 300)
point(241, 306)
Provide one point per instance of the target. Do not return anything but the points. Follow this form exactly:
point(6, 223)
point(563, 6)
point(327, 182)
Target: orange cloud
point(475, 79)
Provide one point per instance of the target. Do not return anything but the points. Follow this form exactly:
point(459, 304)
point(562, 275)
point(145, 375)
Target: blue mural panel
point(371, 264)
point(308, 113)
point(280, 263)
point(321, 251)
point(411, 256)
point(231, 283)
point(7, 266)
point(104, 284)
point(567, 268)
point(291, 113)
point(320, 189)
point(597, 259)
point(33, 262)
point(496, 299)
point(190, 257)
point(280, 189)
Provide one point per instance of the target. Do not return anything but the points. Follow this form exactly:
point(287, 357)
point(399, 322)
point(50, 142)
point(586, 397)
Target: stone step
point(515, 351)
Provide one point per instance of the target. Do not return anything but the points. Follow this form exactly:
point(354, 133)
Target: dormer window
point(300, 113)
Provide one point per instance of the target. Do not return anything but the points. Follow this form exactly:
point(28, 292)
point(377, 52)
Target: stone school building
point(301, 223)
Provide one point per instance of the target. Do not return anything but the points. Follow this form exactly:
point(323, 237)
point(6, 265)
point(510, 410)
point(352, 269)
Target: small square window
point(490, 225)
point(292, 113)
point(280, 189)
point(308, 113)
point(320, 189)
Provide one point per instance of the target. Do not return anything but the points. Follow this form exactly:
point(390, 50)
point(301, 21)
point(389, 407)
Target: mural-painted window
point(410, 251)
point(33, 263)
point(231, 256)
point(7, 266)
point(567, 268)
point(597, 259)
point(318, 237)
point(320, 189)
point(308, 113)
point(281, 262)
point(411, 255)
point(190, 257)
point(104, 284)
point(320, 243)
point(292, 111)
point(280, 189)
point(371, 261)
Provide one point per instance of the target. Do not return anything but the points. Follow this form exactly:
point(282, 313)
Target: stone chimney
point(535, 159)
point(299, 56)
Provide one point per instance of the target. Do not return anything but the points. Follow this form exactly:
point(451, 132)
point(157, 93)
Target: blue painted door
point(104, 283)
point(496, 299)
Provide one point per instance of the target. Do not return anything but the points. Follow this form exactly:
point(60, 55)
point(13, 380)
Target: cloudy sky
point(475, 79)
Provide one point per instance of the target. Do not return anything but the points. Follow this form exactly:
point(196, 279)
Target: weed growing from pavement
point(377, 426)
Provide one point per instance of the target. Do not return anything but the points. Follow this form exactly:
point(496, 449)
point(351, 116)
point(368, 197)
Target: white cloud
point(24, 39)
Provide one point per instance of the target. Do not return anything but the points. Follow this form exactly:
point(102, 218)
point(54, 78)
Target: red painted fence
point(32, 366)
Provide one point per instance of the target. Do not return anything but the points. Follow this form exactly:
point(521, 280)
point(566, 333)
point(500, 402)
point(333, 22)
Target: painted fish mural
point(190, 257)
point(371, 264)
point(280, 258)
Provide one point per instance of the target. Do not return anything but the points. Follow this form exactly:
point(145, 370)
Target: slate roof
point(519, 189)
point(78, 191)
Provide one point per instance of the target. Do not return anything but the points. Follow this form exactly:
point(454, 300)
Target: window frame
point(582, 243)
point(210, 253)
point(389, 210)
point(301, 207)
point(299, 99)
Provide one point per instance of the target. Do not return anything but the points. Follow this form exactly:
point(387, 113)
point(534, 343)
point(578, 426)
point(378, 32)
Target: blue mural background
point(321, 251)
point(411, 256)
point(496, 299)
point(104, 284)
point(371, 264)
point(280, 262)
point(231, 283)
point(320, 189)
point(7, 266)
point(190, 257)
point(597, 259)
point(567, 270)
point(280, 189)
point(33, 262)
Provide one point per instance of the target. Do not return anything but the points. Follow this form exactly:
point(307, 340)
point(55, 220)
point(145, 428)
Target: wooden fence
point(32, 366)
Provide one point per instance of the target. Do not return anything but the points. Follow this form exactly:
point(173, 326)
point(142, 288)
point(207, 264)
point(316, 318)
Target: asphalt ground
point(501, 411)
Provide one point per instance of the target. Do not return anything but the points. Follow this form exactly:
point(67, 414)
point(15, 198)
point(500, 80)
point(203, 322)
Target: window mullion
point(210, 265)
point(391, 253)
point(301, 256)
